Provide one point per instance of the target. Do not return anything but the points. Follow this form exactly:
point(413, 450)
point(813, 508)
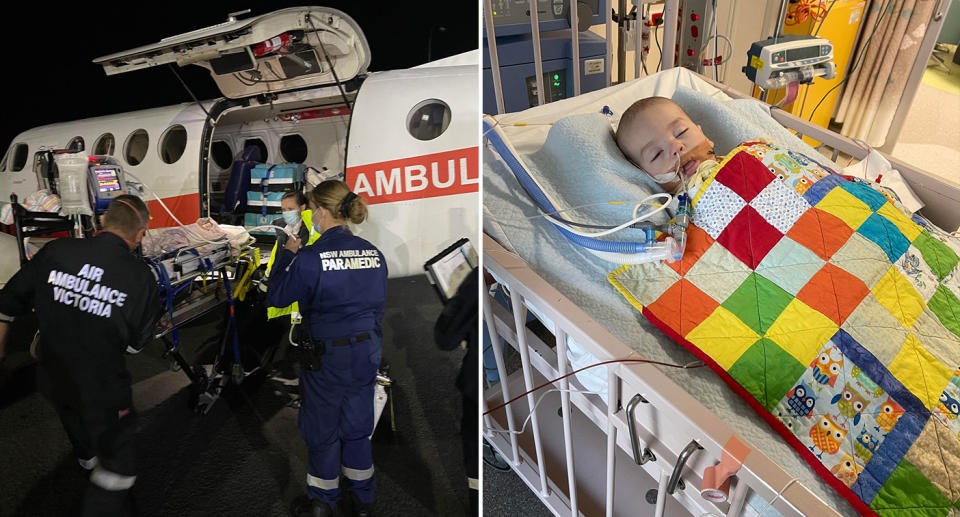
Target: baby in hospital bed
point(657, 136)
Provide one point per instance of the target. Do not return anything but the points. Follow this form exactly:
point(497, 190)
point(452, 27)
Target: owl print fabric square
point(848, 344)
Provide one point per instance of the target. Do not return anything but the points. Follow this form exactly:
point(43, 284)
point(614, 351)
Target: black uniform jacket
point(94, 301)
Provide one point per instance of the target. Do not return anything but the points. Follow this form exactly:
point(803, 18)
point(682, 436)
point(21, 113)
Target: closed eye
point(682, 132)
point(656, 156)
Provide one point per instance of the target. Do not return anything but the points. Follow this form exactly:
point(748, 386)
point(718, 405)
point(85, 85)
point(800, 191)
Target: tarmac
point(246, 456)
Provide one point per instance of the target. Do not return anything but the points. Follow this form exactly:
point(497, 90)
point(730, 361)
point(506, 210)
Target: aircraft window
point(257, 143)
point(104, 145)
point(172, 144)
point(76, 144)
point(428, 119)
point(222, 154)
point(293, 148)
point(135, 150)
point(19, 157)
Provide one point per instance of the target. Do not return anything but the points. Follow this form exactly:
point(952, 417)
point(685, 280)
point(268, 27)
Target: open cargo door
point(289, 49)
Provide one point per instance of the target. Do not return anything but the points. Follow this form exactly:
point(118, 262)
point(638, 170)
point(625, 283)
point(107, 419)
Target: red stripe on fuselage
point(185, 207)
point(418, 177)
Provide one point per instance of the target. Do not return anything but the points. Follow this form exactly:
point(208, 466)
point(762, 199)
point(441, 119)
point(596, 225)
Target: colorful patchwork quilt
point(833, 313)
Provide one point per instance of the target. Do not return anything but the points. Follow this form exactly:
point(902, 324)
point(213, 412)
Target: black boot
point(304, 507)
point(361, 509)
point(321, 509)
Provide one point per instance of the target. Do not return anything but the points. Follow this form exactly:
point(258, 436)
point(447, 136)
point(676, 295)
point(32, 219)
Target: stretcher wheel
point(492, 457)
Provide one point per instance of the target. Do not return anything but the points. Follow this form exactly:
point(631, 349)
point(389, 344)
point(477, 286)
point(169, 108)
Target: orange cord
point(798, 13)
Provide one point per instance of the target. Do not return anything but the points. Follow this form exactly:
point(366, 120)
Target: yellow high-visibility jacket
point(293, 309)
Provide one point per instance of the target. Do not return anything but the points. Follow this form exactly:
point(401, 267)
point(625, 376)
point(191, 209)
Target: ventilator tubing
point(619, 252)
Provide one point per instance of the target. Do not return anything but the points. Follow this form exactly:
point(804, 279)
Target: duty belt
point(345, 341)
point(312, 350)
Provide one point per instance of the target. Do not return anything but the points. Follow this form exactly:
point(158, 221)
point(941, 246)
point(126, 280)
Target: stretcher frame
point(667, 419)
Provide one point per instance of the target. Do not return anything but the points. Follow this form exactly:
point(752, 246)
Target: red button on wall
point(694, 31)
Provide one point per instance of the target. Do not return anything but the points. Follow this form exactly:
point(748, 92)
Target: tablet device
point(447, 269)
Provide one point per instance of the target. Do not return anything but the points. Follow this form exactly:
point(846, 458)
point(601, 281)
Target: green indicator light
point(556, 76)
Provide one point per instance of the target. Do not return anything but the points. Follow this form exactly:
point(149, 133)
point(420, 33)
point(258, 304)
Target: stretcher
point(199, 268)
point(194, 279)
point(651, 425)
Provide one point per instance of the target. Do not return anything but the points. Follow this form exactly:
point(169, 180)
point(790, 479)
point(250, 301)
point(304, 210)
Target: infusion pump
point(775, 62)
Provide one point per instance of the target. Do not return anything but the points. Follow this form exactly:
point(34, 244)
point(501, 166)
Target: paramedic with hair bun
point(94, 301)
point(340, 283)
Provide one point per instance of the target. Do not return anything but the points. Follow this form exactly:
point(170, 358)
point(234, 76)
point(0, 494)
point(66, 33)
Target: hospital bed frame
point(649, 417)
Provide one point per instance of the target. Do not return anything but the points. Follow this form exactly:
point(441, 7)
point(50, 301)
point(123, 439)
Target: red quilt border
point(777, 426)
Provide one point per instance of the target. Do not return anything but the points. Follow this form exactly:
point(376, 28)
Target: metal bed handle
point(675, 480)
point(632, 427)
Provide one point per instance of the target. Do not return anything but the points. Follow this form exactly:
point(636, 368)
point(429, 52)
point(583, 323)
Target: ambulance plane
point(295, 90)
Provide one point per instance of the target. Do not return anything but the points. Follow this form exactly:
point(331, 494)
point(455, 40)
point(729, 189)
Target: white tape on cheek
point(669, 177)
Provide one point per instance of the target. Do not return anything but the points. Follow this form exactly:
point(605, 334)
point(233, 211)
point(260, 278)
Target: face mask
point(291, 217)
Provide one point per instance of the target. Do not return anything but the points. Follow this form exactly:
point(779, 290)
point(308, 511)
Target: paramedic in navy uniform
point(340, 283)
point(94, 300)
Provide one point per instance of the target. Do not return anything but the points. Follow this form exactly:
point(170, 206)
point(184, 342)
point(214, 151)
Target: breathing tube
point(622, 252)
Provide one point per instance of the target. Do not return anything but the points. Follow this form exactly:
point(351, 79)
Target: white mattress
point(581, 277)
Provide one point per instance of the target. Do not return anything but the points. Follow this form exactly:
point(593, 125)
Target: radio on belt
point(776, 62)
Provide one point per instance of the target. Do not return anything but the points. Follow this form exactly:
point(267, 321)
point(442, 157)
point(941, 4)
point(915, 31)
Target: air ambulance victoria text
point(76, 290)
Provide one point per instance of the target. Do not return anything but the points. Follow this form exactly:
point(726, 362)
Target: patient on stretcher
point(657, 136)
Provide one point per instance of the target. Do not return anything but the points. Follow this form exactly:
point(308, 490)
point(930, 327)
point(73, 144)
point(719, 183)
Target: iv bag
point(72, 184)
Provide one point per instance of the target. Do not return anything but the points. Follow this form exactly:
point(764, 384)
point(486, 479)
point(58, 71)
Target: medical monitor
point(107, 179)
point(447, 270)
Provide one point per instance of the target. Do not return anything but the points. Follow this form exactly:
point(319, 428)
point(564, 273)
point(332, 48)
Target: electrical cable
point(656, 39)
point(824, 17)
point(688, 366)
point(724, 62)
point(543, 395)
point(187, 228)
point(863, 51)
point(806, 91)
point(254, 81)
point(779, 494)
point(267, 64)
point(716, 46)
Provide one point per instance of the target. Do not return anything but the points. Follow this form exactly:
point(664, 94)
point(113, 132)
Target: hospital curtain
point(889, 43)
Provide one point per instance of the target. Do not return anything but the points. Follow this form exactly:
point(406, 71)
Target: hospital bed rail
point(669, 419)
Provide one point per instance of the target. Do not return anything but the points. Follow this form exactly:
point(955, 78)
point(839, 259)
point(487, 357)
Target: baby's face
point(656, 137)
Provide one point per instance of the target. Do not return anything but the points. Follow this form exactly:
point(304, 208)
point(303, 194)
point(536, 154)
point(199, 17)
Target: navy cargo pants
point(336, 417)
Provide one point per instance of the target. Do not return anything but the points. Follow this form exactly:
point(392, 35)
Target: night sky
point(49, 51)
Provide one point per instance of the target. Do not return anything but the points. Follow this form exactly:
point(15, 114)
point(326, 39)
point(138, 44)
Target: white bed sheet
point(581, 277)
